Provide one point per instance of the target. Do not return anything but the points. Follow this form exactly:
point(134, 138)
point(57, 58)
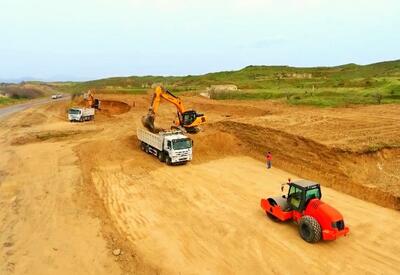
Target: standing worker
point(269, 160)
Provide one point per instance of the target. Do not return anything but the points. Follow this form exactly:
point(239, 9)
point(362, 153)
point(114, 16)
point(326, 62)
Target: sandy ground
point(206, 218)
point(71, 194)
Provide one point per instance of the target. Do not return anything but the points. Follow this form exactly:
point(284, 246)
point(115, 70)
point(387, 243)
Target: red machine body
point(317, 220)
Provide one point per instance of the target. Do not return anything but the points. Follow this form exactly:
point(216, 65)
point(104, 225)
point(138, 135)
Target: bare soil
point(71, 194)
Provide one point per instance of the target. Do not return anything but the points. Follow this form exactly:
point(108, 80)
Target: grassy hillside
point(17, 93)
point(321, 86)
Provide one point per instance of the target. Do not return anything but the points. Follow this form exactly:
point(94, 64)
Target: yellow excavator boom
point(188, 120)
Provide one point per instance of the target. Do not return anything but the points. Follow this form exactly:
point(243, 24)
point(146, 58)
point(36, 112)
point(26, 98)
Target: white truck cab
point(169, 146)
point(178, 147)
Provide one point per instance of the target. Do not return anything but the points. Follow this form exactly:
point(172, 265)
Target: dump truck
point(80, 114)
point(172, 147)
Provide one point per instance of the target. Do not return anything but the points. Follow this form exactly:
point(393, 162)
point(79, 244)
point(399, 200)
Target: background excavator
point(91, 101)
point(187, 120)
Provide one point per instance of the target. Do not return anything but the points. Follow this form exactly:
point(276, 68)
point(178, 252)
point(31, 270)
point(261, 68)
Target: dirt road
point(73, 193)
point(45, 227)
point(5, 111)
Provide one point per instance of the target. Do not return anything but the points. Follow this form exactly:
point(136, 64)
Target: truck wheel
point(143, 146)
point(168, 160)
point(161, 156)
point(146, 149)
point(81, 119)
point(309, 229)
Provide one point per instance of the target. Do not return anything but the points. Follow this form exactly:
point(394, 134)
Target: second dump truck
point(80, 114)
point(170, 146)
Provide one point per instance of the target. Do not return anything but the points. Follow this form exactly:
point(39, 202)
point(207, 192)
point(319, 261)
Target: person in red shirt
point(269, 160)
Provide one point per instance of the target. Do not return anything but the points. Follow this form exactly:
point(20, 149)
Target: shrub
point(378, 97)
point(16, 92)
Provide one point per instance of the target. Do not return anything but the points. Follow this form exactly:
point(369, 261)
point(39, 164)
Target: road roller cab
point(316, 219)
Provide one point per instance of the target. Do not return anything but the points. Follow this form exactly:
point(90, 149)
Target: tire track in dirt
point(100, 190)
point(205, 218)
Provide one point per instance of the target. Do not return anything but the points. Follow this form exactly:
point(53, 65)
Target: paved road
point(23, 106)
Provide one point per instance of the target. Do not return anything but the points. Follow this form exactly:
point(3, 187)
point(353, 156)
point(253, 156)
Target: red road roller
point(316, 220)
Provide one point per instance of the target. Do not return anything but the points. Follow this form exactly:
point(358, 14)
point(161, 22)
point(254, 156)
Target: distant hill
point(322, 86)
point(16, 80)
point(262, 77)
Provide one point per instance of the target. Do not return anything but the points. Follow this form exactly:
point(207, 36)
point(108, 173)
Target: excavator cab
point(190, 120)
point(188, 117)
point(96, 104)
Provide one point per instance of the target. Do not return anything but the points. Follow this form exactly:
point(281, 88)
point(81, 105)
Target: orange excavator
point(91, 101)
point(189, 121)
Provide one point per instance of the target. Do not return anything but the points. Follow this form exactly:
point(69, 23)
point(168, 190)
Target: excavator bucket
point(148, 122)
point(192, 130)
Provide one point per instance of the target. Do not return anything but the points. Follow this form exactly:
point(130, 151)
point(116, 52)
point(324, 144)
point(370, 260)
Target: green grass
point(4, 101)
point(328, 86)
point(338, 100)
point(80, 88)
point(335, 97)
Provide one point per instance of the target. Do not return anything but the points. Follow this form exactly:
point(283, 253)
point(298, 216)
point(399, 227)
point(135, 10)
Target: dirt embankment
point(360, 174)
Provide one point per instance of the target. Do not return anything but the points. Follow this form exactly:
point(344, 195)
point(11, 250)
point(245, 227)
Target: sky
point(91, 39)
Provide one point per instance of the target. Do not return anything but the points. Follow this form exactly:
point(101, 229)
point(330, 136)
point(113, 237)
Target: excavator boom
point(188, 120)
point(91, 101)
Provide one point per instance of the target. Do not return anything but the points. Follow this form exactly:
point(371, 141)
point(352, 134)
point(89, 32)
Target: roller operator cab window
point(294, 197)
point(74, 112)
point(180, 144)
point(313, 194)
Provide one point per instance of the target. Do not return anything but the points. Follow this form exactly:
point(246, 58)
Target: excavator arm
point(91, 101)
point(188, 120)
point(161, 93)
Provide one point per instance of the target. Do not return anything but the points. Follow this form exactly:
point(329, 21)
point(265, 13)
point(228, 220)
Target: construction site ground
point(81, 198)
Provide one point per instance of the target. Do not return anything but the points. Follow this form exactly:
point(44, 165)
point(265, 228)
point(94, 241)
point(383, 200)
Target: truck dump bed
point(87, 111)
point(155, 140)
